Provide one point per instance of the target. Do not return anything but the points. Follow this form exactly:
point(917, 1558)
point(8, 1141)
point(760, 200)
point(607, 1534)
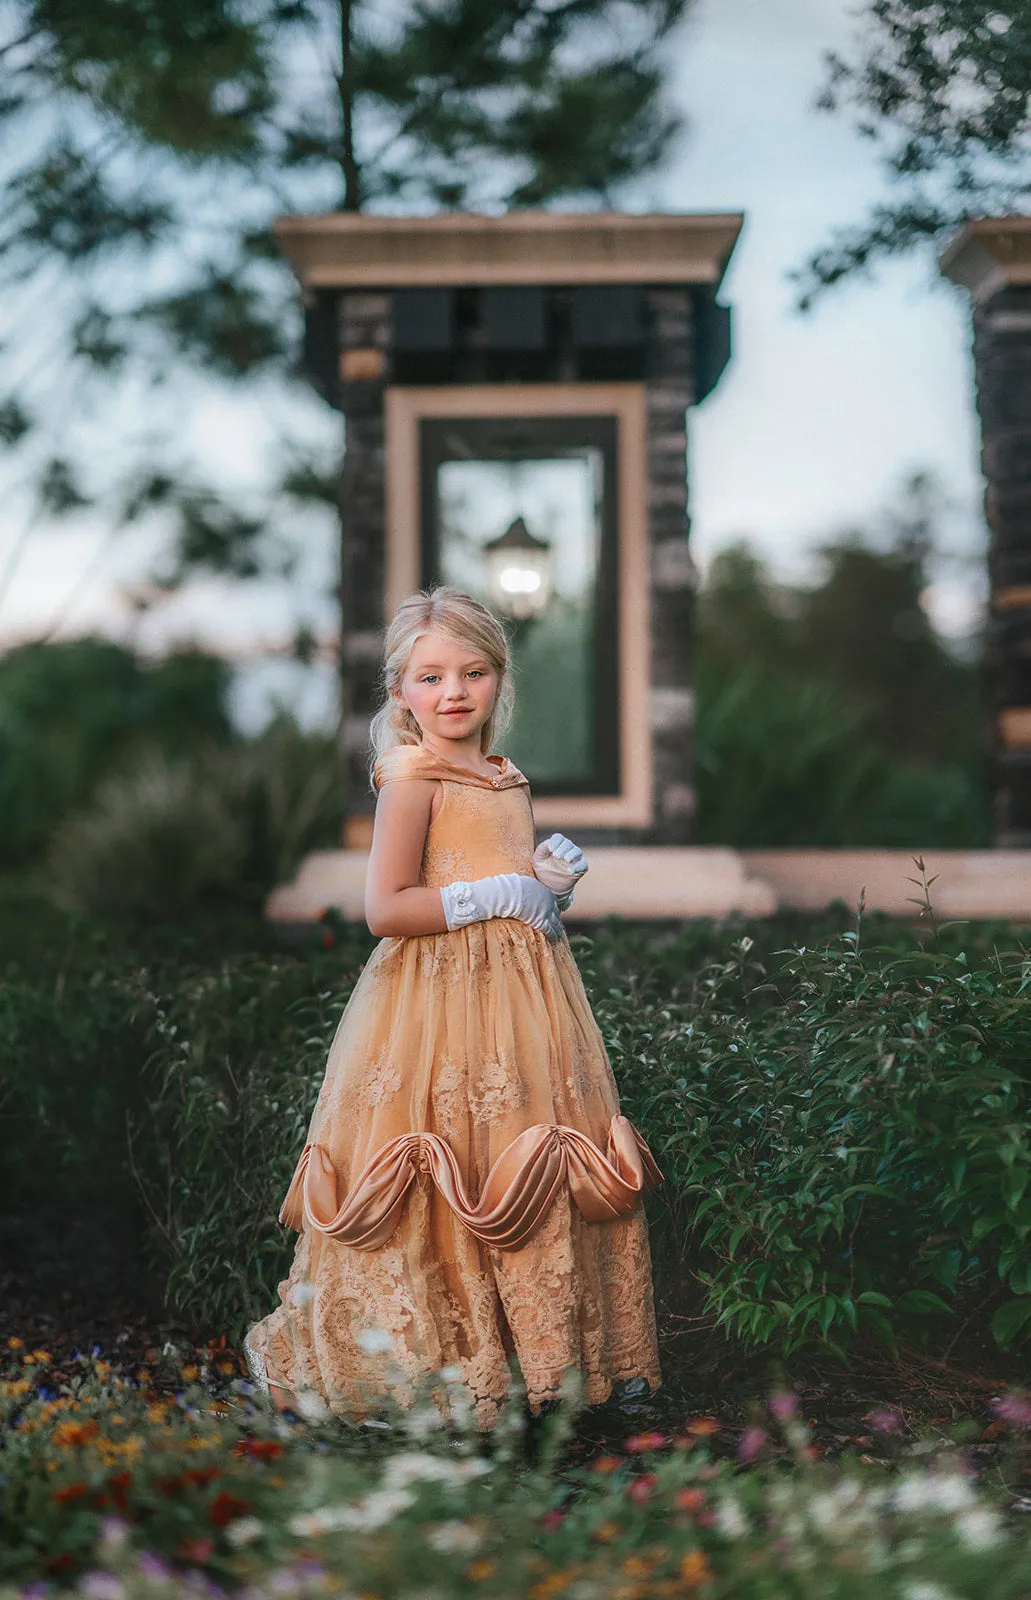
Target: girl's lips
point(457, 713)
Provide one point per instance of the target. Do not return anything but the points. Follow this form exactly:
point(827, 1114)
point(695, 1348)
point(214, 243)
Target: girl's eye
point(476, 672)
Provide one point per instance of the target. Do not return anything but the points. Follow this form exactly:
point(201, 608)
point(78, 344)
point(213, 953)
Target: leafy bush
point(71, 714)
point(134, 1492)
point(844, 1133)
point(169, 836)
point(785, 760)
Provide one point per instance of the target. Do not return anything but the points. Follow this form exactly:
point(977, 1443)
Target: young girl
point(469, 1191)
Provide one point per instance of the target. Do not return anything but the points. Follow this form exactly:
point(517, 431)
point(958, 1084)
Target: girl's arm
point(396, 905)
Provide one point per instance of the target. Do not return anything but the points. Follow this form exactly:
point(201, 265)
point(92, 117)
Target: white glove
point(509, 894)
point(560, 864)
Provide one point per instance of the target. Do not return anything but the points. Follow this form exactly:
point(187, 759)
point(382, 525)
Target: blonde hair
point(461, 619)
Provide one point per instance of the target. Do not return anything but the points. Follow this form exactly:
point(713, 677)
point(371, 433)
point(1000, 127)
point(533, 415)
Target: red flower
point(640, 1488)
point(258, 1449)
point(646, 1441)
point(71, 1491)
point(552, 1520)
point(60, 1563)
point(196, 1551)
point(689, 1499)
point(607, 1464)
point(225, 1508)
point(200, 1476)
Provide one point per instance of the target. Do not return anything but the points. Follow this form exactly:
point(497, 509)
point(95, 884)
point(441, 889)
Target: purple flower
point(885, 1419)
point(784, 1405)
point(36, 1589)
point(150, 1565)
point(750, 1443)
point(102, 1586)
point(1014, 1408)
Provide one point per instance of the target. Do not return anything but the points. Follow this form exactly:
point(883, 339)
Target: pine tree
point(944, 86)
point(151, 145)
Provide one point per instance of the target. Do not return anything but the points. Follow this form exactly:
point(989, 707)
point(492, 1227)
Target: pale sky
point(812, 428)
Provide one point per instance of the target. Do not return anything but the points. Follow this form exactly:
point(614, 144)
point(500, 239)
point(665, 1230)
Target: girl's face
point(449, 689)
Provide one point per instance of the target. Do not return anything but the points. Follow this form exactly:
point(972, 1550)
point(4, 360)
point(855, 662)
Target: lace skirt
point(470, 1192)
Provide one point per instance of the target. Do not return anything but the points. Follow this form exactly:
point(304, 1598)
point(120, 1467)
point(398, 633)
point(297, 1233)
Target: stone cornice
point(341, 250)
point(989, 254)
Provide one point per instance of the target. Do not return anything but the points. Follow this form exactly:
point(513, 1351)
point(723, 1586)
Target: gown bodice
point(484, 825)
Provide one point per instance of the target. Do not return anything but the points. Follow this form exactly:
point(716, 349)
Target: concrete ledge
point(969, 883)
point(641, 883)
point(633, 882)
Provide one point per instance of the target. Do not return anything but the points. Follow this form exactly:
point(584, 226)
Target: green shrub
point(844, 1133)
point(71, 714)
point(128, 1493)
point(238, 1058)
point(169, 836)
point(784, 760)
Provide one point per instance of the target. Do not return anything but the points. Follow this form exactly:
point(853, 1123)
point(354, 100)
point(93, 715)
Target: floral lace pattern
point(475, 1035)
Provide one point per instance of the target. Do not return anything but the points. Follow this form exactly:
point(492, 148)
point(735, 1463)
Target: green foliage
point(72, 714)
point(945, 87)
point(834, 715)
point(127, 1492)
point(843, 1130)
point(168, 836)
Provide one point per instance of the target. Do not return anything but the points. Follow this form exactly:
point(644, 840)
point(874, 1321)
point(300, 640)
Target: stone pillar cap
point(989, 254)
point(349, 250)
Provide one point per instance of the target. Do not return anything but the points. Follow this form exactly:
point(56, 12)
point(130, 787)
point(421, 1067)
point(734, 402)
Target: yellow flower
point(75, 1433)
point(102, 1369)
point(37, 1358)
point(158, 1411)
point(16, 1344)
point(190, 1373)
point(477, 1571)
point(694, 1569)
point(554, 1584)
point(605, 1532)
point(15, 1387)
point(637, 1566)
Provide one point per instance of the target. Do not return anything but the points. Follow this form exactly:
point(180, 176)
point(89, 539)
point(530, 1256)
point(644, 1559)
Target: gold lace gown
point(469, 1187)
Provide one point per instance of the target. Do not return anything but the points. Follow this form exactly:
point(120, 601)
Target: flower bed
point(123, 1485)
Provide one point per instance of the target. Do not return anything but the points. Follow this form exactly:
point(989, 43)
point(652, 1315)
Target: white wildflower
point(379, 1508)
point(933, 1492)
point(926, 1591)
point(453, 1538)
point(302, 1295)
point(421, 1421)
point(375, 1342)
point(418, 1466)
point(311, 1406)
point(731, 1520)
point(980, 1528)
point(310, 1524)
point(244, 1530)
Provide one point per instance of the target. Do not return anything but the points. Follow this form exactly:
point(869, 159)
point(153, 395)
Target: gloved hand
point(560, 864)
point(508, 894)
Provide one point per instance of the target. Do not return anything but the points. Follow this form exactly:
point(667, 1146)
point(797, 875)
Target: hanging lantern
point(517, 571)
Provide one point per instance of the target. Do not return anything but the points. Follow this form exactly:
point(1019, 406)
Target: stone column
point(364, 342)
point(671, 710)
point(991, 259)
point(1002, 357)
